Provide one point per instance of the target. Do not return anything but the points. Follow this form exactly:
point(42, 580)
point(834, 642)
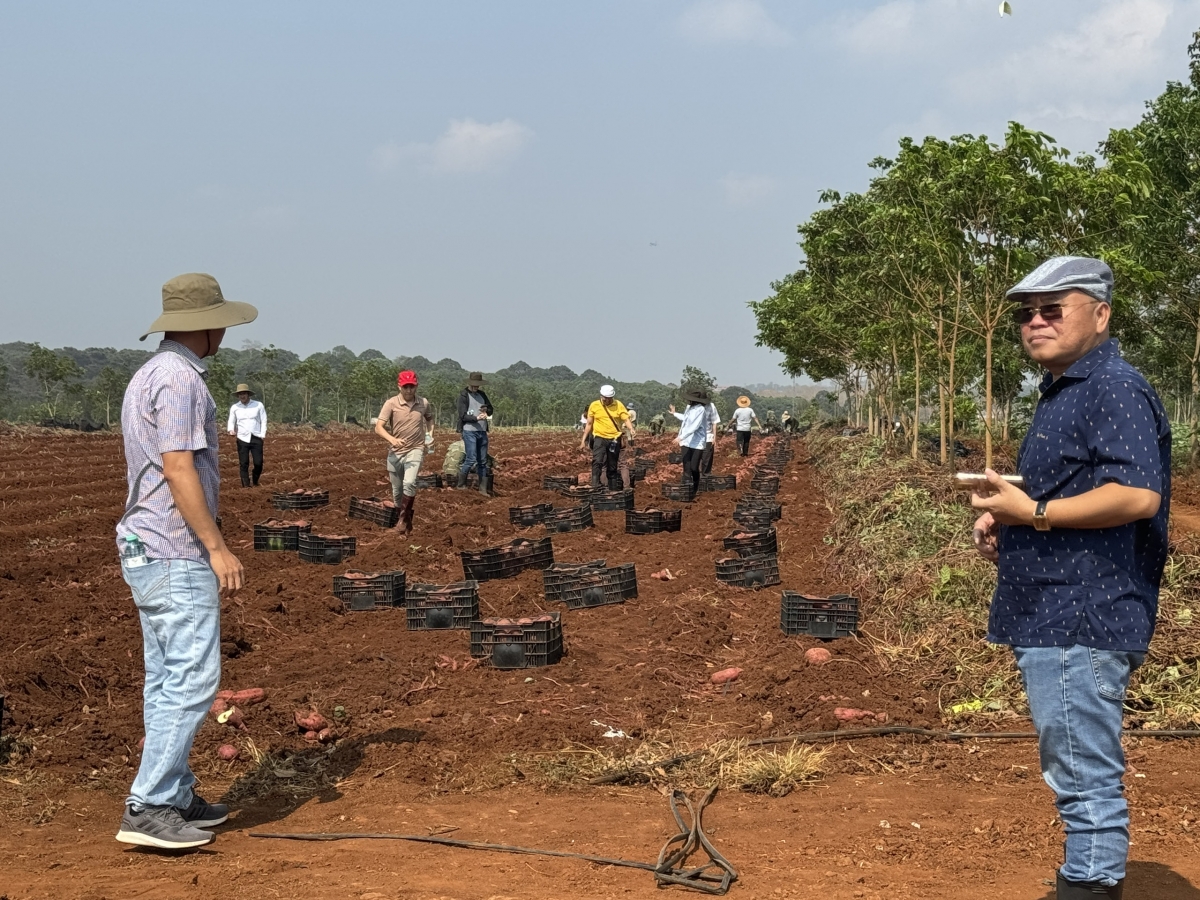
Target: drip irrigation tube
point(713, 877)
point(883, 731)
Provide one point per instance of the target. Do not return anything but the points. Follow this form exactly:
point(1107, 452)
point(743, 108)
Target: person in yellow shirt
point(608, 425)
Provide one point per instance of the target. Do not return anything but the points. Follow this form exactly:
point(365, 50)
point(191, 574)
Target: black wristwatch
point(1040, 522)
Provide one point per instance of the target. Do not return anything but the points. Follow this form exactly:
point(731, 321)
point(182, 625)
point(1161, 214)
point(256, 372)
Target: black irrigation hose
point(883, 731)
point(714, 877)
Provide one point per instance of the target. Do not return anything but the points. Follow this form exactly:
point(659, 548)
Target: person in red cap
point(405, 422)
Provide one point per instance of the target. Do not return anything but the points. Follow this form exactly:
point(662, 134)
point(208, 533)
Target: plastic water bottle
point(133, 552)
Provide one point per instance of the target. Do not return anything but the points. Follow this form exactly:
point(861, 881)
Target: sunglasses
point(1050, 312)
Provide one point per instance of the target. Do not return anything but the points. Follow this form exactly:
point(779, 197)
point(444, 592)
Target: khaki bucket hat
point(475, 379)
point(194, 302)
point(243, 389)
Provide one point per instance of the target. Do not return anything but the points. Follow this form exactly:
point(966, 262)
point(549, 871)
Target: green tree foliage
point(108, 387)
point(55, 373)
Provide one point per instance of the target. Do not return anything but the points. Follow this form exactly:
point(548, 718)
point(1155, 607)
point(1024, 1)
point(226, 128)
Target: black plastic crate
point(582, 492)
point(528, 516)
point(559, 482)
point(507, 560)
point(300, 499)
point(765, 484)
point(681, 491)
point(518, 643)
point(569, 518)
point(752, 543)
point(652, 521)
point(383, 513)
point(626, 575)
point(555, 577)
point(328, 549)
point(675, 457)
point(756, 519)
point(749, 571)
point(369, 590)
point(718, 482)
point(437, 607)
point(613, 501)
point(277, 535)
point(822, 617)
point(593, 587)
point(429, 481)
point(644, 464)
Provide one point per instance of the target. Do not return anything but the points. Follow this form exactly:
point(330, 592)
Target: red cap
point(406, 377)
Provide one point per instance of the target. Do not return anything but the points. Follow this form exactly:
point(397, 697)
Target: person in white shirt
point(248, 420)
point(693, 430)
point(743, 420)
point(710, 438)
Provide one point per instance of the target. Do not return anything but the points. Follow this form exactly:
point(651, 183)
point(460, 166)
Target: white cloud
point(466, 146)
point(885, 28)
point(732, 21)
point(747, 190)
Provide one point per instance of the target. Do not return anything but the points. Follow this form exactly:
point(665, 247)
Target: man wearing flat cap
point(1080, 555)
point(174, 559)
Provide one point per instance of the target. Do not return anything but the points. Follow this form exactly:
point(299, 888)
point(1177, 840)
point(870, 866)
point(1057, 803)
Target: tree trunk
point(987, 399)
point(916, 450)
point(1193, 423)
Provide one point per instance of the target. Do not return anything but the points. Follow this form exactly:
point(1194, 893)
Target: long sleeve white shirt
point(248, 420)
point(714, 419)
point(693, 426)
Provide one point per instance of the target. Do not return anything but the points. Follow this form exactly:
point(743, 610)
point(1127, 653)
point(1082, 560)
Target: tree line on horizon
point(899, 297)
point(84, 388)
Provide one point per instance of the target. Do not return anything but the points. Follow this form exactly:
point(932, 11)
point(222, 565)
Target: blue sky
point(598, 185)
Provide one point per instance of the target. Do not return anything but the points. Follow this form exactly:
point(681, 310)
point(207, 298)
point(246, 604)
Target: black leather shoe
point(1087, 890)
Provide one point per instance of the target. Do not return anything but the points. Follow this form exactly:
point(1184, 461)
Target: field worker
point(632, 416)
point(174, 559)
point(455, 454)
point(1080, 554)
point(248, 420)
point(769, 418)
point(710, 439)
point(474, 418)
point(786, 419)
point(693, 430)
point(406, 423)
point(743, 420)
point(608, 425)
point(658, 424)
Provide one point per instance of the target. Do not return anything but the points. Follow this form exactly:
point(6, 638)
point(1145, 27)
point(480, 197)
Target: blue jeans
point(1076, 698)
point(475, 443)
point(178, 603)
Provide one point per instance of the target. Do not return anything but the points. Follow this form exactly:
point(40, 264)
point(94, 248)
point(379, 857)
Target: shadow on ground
point(1152, 881)
point(279, 785)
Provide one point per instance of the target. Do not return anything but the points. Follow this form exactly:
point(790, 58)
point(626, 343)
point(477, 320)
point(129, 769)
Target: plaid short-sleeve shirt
point(167, 407)
point(1100, 422)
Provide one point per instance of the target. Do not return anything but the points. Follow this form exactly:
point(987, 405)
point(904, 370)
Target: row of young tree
point(900, 298)
point(85, 387)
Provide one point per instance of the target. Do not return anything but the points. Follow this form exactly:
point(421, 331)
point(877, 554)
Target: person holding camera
point(608, 427)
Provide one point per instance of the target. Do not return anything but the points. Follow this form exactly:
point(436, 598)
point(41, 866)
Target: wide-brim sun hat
point(695, 396)
point(607, 390)
point(244, 389)
point(194, 302)
point(475, 379)
point(743, 400)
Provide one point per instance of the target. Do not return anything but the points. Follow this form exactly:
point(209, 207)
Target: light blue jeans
point(178, 603)
point(402, 472)
point(1076, 698)
point(475, 443)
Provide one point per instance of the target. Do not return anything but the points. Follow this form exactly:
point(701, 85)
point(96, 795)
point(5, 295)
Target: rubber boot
point(245, 479)
point(1087, 890)
point(462, 480)
point(405, 523)
point(485, 485)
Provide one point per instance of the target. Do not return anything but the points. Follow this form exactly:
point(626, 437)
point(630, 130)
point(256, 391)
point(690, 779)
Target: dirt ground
point(430, 745)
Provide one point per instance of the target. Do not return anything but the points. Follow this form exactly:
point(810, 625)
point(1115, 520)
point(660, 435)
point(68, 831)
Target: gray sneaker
point(202, 814)
point(162, 827)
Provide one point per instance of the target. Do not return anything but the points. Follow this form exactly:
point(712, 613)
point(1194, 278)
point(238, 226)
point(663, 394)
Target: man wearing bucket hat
point(743, 420)
point(174, 559)
point(608, 425)
point(1080, 556)
point(248, 420)
point(474, 412)
point(693, 432)
point(406, 423)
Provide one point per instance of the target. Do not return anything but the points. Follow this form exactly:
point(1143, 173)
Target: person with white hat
point(248, 421)
point(608, 426)
point(174, 559)
point(744, 420)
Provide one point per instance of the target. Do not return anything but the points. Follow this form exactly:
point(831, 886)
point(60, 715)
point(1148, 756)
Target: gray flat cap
point(1068, 273)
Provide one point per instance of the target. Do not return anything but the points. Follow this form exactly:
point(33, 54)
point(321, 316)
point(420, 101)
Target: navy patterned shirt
point(1100, 422)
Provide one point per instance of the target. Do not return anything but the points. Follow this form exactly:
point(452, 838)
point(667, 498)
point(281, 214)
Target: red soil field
point(426, 741)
